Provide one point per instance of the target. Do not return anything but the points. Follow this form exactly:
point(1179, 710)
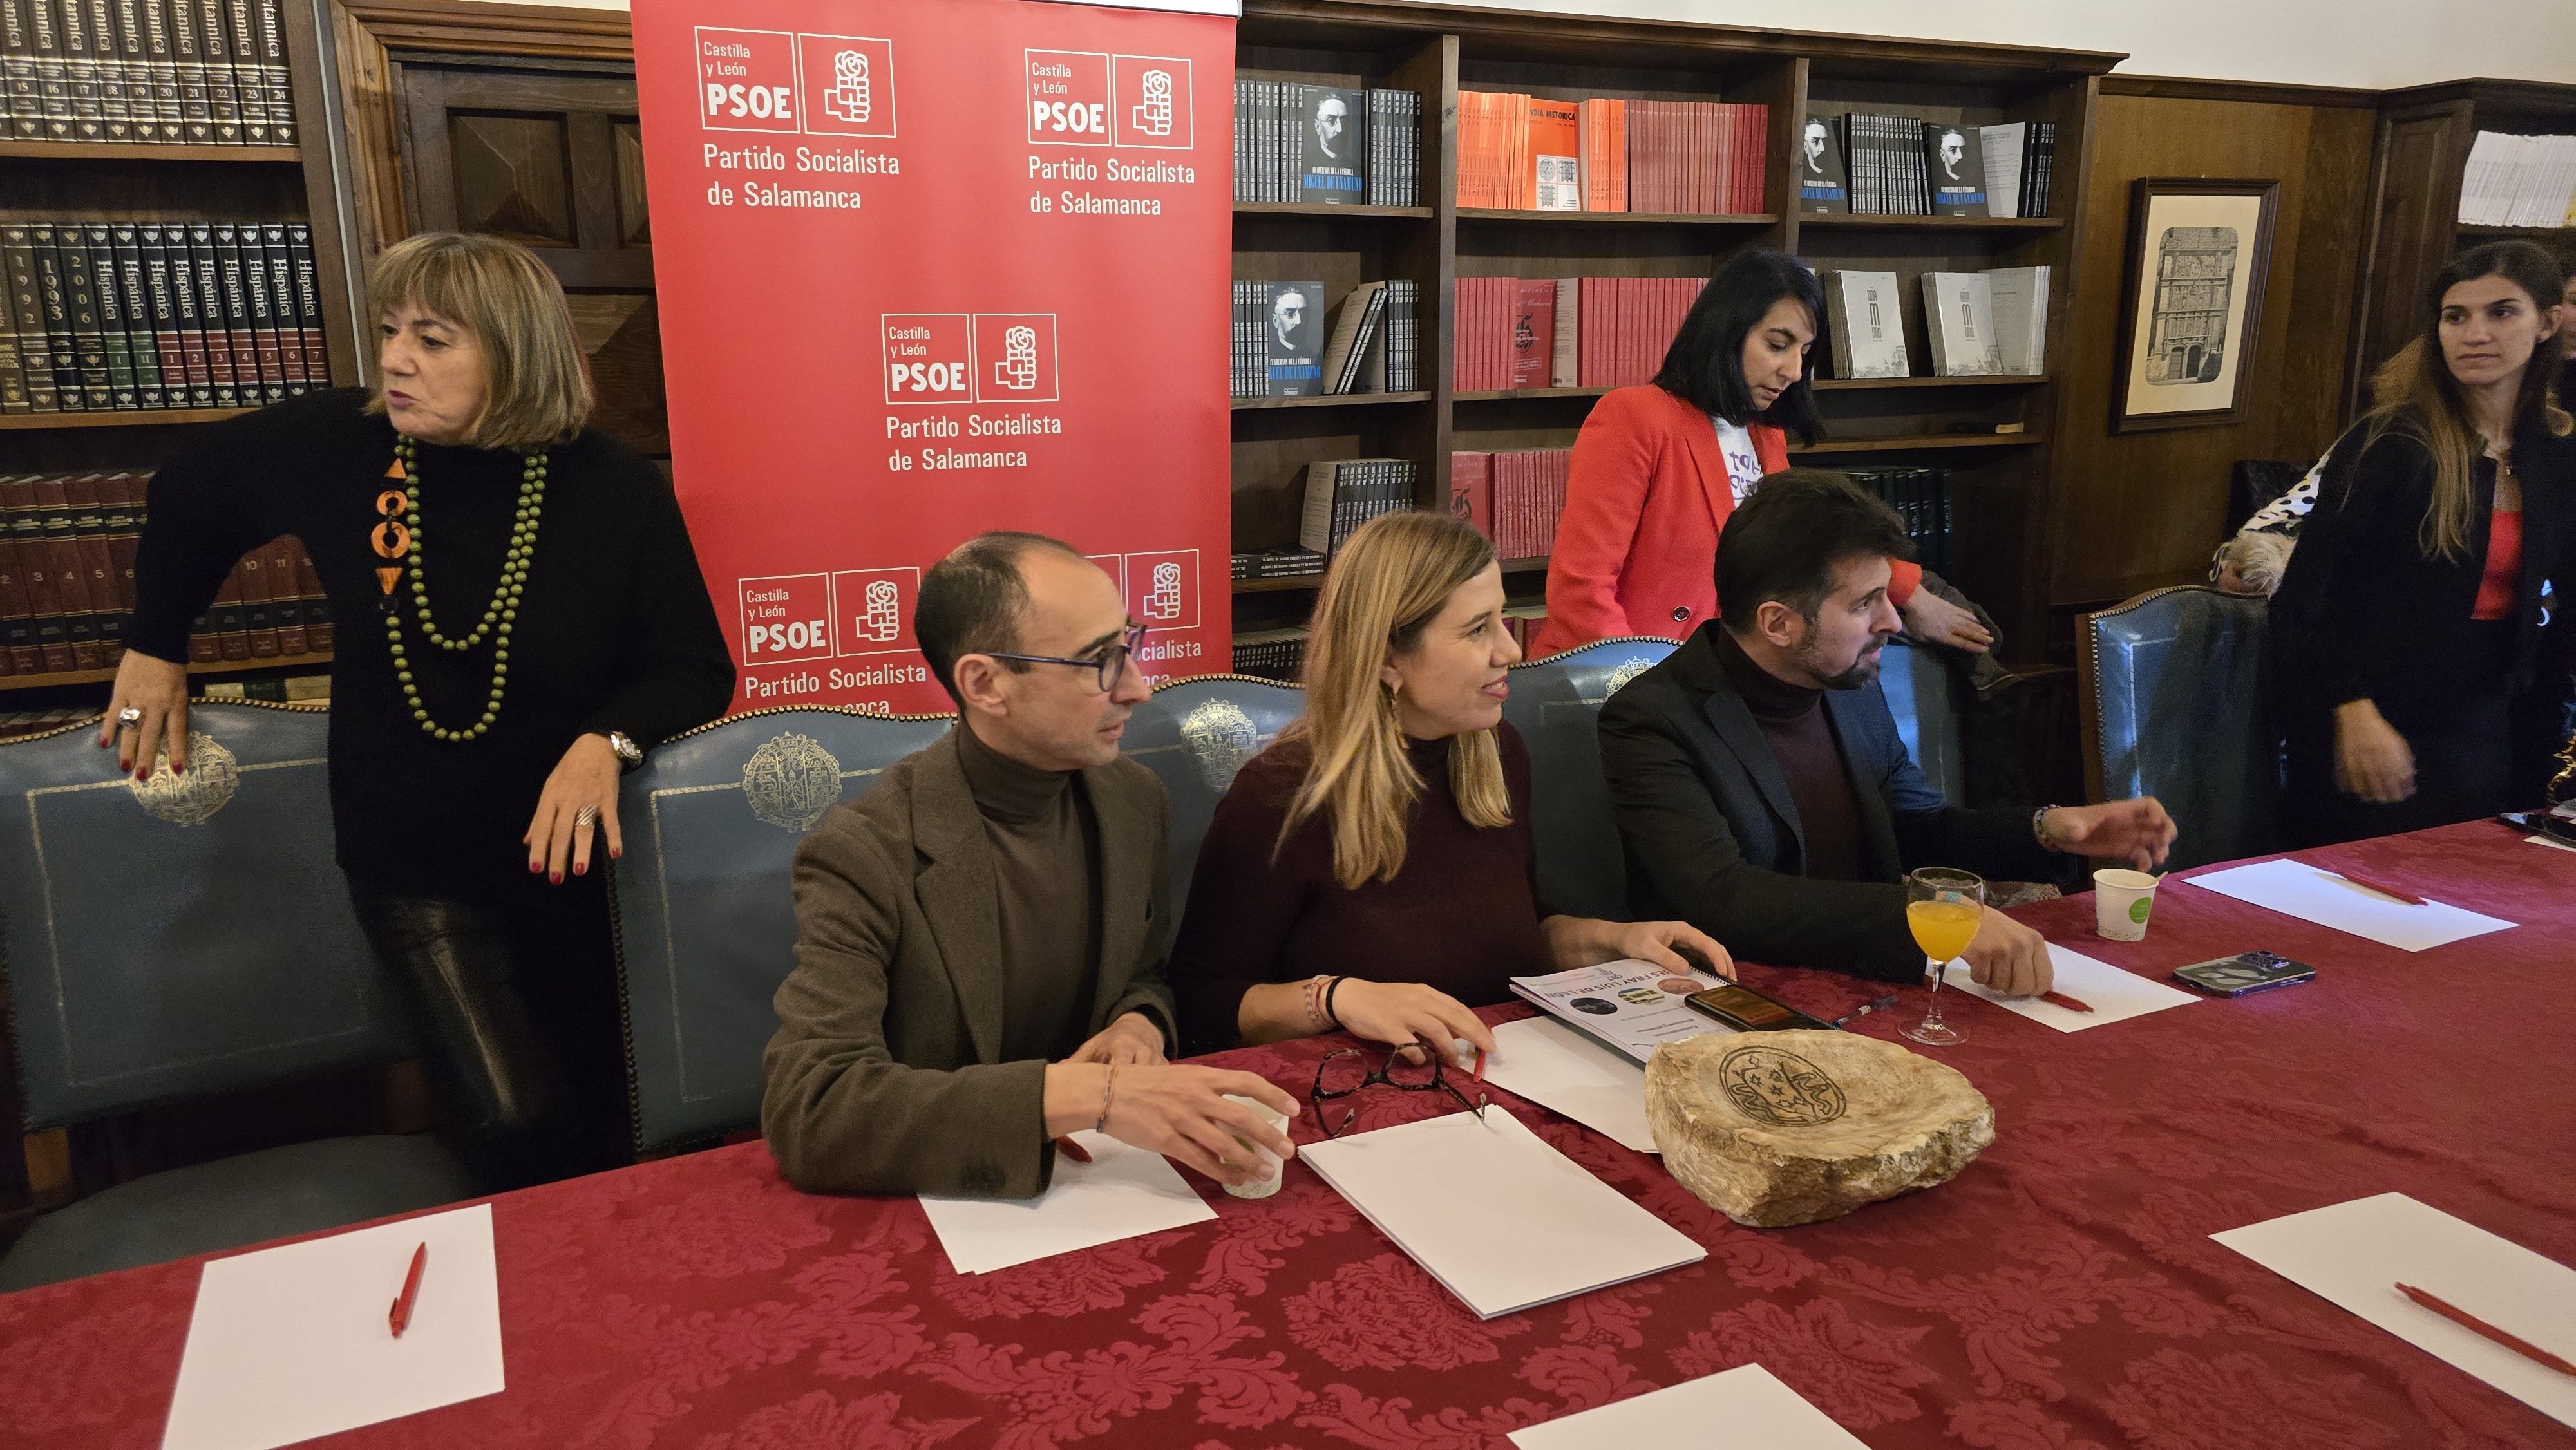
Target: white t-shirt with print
point(1743, 465)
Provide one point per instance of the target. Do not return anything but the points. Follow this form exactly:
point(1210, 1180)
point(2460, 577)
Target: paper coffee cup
point(2121, 901)
point(1260, 1187)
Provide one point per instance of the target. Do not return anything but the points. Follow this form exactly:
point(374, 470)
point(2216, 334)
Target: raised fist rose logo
point(1154, 113)
point(882, 622)
point(846, 99)
point(1163, 601)
point(1018, 368)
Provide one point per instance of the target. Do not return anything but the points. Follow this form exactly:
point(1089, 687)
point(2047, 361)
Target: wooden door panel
point(554, 161)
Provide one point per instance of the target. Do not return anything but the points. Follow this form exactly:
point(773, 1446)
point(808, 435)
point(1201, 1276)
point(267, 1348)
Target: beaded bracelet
point(1108, 1087)
point(1315, 1001)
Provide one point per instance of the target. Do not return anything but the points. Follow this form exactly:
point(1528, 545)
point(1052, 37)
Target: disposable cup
point(1265, 1186)
point(2121, 901)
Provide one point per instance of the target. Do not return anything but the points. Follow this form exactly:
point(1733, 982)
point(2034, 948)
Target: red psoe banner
point(927, 268)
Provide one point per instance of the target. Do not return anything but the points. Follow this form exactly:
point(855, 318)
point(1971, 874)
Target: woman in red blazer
point(1658, 468)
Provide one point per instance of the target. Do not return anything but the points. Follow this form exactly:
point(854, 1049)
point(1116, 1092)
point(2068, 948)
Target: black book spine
point(162, 309)
point(241, 47)
point(223, 95)
point(268, 21)
point(188, 67)
point(27, 304)
point(80, 66)
point(308, 305)
point(154, 85)
point(134, 305)
point(237, 320)
point(116, 349)
point(171, 244)
point(89, 337)
point(22, 103)
point(263, 314)
point(280, 263)
point(52, 69)
point(210, 316)
point(56, 298)
point(120, 77)
point(14, 397)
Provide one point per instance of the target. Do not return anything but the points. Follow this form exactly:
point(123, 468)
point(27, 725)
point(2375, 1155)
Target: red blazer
point(1645, 498)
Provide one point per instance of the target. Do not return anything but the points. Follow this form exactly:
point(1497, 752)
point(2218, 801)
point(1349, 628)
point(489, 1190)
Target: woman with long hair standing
point(1386, 833)
point(521, 616)
point(1658, 467)
point(2418, 682)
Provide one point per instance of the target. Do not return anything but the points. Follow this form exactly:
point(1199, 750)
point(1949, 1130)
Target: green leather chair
point(190, 936)
point(1196, 734)
point(1553, 704)
point(2173, 706)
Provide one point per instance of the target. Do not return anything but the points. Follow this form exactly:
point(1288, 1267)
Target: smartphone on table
point(1746, 1010)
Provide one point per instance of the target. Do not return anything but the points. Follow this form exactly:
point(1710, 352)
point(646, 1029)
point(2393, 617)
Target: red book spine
point(318, 635)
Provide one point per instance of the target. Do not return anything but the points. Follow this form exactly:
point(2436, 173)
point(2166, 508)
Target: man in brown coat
point(980, 936)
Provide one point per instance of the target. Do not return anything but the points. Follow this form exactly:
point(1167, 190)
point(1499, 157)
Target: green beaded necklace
point(498, 616)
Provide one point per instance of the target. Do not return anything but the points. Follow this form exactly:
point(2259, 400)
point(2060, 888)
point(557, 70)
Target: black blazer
point(2363, 614)
point(1712, 837)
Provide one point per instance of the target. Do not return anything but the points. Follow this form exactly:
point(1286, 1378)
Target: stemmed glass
point(1941, 909)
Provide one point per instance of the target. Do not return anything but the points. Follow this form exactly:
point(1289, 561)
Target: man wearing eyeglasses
point(980, 936)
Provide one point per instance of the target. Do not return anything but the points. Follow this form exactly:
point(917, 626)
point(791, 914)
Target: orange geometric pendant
point(387, 578)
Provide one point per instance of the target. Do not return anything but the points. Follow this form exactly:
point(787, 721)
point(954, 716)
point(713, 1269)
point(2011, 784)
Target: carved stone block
point(1780, 1128)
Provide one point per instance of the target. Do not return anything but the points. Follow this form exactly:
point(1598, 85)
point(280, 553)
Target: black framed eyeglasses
point(1110, 663)
point(1346, 1070)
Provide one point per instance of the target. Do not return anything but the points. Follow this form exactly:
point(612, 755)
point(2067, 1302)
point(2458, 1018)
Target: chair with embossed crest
point(182, 937)
point(1195, 734)
point(1554, 704)
point(703, 903)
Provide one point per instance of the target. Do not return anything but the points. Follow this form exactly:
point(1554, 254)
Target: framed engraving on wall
point(2191, 304)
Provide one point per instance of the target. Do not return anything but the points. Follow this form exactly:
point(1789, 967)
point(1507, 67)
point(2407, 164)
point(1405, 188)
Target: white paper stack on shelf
point(2519, 181)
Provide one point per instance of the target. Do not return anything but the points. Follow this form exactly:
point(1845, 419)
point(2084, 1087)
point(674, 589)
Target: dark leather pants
point(515, 997)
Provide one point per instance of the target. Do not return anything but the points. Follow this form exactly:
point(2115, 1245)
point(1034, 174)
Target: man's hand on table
point(2008, 957)
point(2136, 832)
point(1132, 1039)
point(1175, 1109)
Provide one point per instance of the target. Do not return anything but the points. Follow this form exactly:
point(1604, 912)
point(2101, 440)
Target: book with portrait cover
point(1824, 183)
point(1955, 158)
point(1292, 340)
point(1332, 146)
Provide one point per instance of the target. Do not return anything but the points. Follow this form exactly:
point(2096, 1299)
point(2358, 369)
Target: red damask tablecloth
point(2061, 1294)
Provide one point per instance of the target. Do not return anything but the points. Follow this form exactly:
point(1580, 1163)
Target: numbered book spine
point(235, 299)
point(170, 282)
point(268, 28)
point(263, 314)
point(27, 306)
point(285, 599)
point(250, 87)
point(22, 107)
point(52, 68)
point(160, 67)
point(80, 65)
point(308, 305)
point(281, 291)
point(107, 302)
point(125, 87)
point(142, 327)
point(317, 605)
point(51, 284)
point(220, 368)
point(223, 96)
point(188, 64)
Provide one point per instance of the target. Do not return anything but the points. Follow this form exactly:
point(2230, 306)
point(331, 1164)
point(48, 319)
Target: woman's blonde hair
point(537, 383)
point(2416, 395)
point(1386, 585)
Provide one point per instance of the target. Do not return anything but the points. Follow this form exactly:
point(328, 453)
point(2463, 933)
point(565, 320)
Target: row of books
point(1565, 332)
point(1344, 493)
point(1980, 324)
point(105, 316)
point(1532, 153)
point(1271, 654)
point(2519, 181)
point(1283, 350)
point(67, 546)
point(1515, 497)
point(1904, 166)
point(1921, 497)
point(1328, 145)
point(146, 72)
point(1293, 561)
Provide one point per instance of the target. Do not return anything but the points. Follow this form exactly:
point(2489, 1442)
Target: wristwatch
point(629, 754)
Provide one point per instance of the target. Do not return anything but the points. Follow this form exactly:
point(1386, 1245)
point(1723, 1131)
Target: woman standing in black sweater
point(2419, 682)
point(520, 613)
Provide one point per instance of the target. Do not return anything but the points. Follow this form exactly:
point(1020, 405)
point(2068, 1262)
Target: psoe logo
point(746, 80)
point(784, 618)
point(1163, 588)
point(1150, 101)
point(1015, 357)
point(1068, 94)
point(872, 611)
point(846, 85)
point(929, 356)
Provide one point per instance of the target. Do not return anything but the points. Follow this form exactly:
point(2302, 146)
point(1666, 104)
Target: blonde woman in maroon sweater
point(1374, 869)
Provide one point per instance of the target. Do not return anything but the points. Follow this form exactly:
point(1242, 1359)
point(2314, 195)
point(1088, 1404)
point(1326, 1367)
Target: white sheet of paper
point(1501, 1219)
point(289, 1343)
point(1559, 1068)
point(2356, 1253)
point(1744, 1408)
point(2546, 841)
point(1121, 1193)
point(2294, 888)
point(2113, 994)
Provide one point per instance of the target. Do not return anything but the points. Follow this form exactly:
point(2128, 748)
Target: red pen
point(2471, 1322)
point(1073, 1150)
point(400, 1317)
point(2366, 884)
point(1480, 1067)
point(2069, 1003)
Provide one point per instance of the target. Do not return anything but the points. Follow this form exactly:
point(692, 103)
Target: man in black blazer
point(1761, 790)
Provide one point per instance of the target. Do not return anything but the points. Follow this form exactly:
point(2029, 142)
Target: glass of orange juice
point(1942, 907)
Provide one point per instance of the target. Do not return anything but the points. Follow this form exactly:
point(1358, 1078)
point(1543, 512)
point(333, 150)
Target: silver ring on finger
point(586, 816)
point(130, 715)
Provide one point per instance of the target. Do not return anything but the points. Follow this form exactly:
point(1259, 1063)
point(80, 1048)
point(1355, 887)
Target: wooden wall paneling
point(2141, 510)
point(2422, 153)
point(371, 123)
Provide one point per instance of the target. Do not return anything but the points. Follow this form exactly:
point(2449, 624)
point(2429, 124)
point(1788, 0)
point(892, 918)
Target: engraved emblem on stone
point(1220, 738)
point(1779, 1089)
point(191, 799)
point(791, 781)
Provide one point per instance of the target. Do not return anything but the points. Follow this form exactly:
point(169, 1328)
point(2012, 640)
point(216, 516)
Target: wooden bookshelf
point(1324, 212)
point(1329, 400)
point(123, 418)
point(1836, 221)
point(1988, 380)
point(197, 669)
point(1617, 218)
point(1928, 444)
point(136, 151)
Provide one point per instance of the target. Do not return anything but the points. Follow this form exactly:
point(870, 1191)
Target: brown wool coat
point(883, 1076)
